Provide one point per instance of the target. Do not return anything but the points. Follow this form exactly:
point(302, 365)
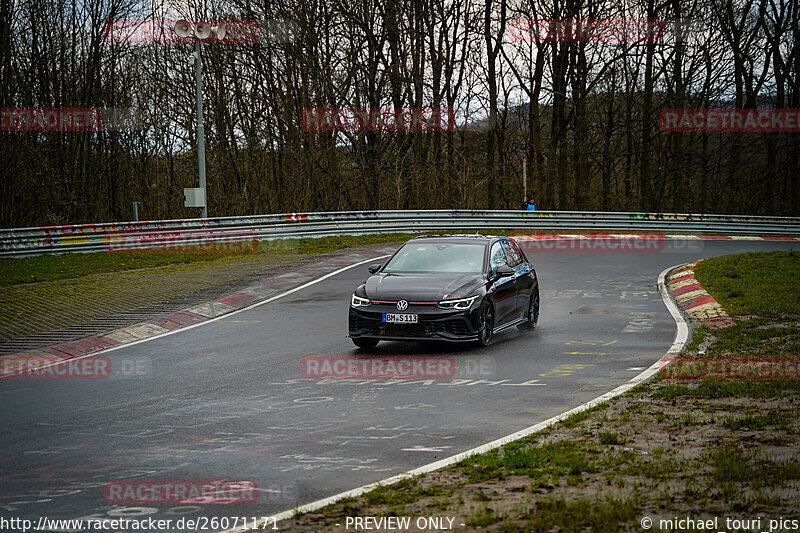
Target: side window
point(512, 253)
point(497, 257)
point(515, 247)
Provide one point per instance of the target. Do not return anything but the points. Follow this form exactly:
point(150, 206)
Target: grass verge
point(14, 271)
point(766, 284)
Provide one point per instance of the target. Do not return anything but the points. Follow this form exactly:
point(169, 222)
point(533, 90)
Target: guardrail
point(132, 235)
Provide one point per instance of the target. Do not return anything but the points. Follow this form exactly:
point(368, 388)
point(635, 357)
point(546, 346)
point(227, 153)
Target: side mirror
point(374, 268)
point(503, 272)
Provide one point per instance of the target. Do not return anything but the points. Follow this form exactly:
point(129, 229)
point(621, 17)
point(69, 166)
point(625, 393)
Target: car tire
point(532, 313)
point(366, 343)
point(485, 323)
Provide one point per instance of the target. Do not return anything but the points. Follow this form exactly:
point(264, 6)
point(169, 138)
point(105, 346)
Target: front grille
point(451, 327)
point(358, 323)
point(379, 329)
point(406, 330)
point(375, 328)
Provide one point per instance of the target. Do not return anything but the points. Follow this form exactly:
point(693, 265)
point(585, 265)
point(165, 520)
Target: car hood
point(420, 287)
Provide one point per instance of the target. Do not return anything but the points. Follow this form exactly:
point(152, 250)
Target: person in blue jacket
point(530, 205)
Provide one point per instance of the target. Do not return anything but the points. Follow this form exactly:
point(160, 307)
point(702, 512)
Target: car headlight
point(460, 304)
point(358, 301)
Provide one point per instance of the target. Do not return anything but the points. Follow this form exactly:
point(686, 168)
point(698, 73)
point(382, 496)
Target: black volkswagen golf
point(447, 287)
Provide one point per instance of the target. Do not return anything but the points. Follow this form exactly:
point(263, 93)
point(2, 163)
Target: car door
point(503, 290)
point(523, 279)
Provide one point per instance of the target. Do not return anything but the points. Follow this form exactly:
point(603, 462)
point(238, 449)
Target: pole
point(136, 211)
point(525, 179)
point(201, 137)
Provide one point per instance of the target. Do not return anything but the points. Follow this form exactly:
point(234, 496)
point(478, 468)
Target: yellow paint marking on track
point(564, 370)
point(591, 342)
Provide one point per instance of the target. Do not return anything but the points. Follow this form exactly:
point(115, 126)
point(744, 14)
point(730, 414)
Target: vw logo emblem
point(402, 305)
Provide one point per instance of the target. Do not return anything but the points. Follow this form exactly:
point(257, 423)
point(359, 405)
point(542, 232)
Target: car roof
point(459, 237)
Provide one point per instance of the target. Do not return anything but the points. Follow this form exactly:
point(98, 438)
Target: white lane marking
point(225, 316)
point(419, 448)
point(681, 335)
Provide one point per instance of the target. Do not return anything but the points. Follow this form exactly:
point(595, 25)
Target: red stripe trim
point(395, 301)
point(687, 288)
point(698, 301)
point(681, 278)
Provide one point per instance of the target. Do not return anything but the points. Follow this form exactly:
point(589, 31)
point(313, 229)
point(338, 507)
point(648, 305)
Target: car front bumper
point(434, 324)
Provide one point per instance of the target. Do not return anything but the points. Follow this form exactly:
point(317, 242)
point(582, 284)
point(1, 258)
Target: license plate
point(400, 318)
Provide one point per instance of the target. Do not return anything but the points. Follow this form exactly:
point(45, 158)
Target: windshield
point(438, 257)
